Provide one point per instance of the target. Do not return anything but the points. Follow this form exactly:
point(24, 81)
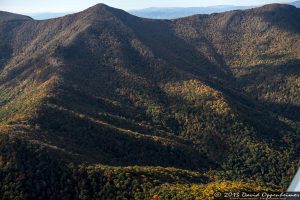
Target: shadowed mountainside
point(209, 93)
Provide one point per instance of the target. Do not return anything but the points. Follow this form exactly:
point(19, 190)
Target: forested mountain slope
point(215, 94)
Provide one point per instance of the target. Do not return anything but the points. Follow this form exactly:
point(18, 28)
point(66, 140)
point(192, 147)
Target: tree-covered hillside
point(105, 105)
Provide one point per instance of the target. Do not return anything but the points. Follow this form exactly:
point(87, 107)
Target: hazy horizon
point(70, 6)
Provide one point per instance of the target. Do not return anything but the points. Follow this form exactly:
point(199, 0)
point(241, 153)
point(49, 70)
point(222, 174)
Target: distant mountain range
point(43, 16)
point(102, 104)
point(167, 12)
point(173, 13)
point(296, 3)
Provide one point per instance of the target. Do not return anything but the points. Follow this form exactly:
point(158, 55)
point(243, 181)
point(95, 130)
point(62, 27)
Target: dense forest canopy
point(105, 105)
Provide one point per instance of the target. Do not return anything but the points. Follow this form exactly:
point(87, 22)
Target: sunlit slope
point(104, 87)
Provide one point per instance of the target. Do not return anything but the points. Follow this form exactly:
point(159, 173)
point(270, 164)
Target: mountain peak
point(100, 7)
point(101, 10)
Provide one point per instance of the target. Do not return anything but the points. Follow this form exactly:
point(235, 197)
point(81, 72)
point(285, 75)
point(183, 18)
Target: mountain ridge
point(199, 93)
point(7, 16)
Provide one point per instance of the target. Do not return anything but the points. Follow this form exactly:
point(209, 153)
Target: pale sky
point(40, 6)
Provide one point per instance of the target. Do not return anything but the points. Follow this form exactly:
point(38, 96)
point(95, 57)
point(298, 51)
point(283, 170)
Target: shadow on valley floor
point(290, 111)
point(160, 37)
point(100, 142)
